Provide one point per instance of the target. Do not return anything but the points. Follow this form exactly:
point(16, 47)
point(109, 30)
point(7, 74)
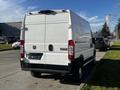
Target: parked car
point(56, 41)
point(16, 45)
point(11, 39)
point(3, 39)
point(102, 43)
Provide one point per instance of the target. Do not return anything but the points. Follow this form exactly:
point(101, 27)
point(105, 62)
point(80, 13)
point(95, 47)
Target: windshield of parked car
point(99, 39)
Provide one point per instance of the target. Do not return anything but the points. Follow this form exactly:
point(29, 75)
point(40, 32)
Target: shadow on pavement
point(107, 74)
point(107, 71)
point(86, 72)
point(70, 79)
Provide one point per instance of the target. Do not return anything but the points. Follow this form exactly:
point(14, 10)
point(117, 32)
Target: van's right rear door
point(56, 40)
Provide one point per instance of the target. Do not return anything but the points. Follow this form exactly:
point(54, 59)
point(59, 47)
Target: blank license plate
point(36, 56)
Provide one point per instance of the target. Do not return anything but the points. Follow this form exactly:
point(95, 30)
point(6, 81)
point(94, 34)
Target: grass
point(5, 46)
point(107, 73)
point(114, 52)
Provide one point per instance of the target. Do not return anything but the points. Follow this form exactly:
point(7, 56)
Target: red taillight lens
point(22, 49)
point(21, 42)
point(22, 55)
point(71, 45)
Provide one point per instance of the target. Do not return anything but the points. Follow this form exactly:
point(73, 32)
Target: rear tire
point(79, 69)
point(80, 73)
point(94, 57)
point(35, 74)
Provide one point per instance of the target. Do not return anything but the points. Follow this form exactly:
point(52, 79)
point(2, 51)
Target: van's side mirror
point(93, 40)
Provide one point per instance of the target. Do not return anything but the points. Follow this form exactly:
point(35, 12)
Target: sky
point(94, 11)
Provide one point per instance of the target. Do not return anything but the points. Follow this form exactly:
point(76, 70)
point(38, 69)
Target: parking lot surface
point(13, 78)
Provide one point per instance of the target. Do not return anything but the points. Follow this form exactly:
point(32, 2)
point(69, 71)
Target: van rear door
point(56, 41)
point(35, 38)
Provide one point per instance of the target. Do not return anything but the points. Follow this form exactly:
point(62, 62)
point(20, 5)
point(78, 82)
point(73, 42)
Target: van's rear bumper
point(46, 68)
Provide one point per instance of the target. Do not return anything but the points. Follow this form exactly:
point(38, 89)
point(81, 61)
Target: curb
point(90, 75)
point(82, 85)
point(6, 49)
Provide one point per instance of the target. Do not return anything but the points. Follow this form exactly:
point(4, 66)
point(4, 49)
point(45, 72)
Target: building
point(10, 29)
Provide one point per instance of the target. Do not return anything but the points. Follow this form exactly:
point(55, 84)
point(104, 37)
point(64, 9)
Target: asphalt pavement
point(13, 78)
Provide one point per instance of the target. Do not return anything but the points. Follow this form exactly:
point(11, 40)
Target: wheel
point(80, 74)
point(103, 49)
point(94, 57)
point(106, 48)
point(35, 74)
point(77, 68)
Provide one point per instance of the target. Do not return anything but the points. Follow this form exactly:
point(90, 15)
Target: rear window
point(99, 39)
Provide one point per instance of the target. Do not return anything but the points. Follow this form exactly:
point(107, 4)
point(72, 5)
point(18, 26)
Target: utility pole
point(110, 18)
point(107, 19)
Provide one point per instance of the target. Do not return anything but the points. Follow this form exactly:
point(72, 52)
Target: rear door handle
point(50, 47)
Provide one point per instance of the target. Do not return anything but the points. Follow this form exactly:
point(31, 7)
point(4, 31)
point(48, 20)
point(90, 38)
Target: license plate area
point(35, 56)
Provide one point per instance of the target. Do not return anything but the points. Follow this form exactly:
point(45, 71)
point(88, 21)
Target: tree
point(105, 30)
point(0, 32)
point(118, 29)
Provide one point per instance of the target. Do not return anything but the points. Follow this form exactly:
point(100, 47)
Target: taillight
point(71, 45)
point(22, 54)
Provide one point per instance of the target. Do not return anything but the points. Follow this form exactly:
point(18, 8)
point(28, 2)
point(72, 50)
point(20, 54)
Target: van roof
point(48, 12)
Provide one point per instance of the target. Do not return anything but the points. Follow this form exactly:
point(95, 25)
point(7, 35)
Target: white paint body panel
point(44, 30)
point(81, 33)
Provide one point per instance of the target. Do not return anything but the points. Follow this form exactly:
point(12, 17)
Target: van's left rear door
point(35, 38)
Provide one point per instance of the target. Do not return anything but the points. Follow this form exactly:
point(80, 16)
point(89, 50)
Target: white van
point(55, 41)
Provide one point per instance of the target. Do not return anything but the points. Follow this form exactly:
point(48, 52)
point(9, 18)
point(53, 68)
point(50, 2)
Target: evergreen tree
point(105, 32)
point(0, 32)
point(118, 28)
